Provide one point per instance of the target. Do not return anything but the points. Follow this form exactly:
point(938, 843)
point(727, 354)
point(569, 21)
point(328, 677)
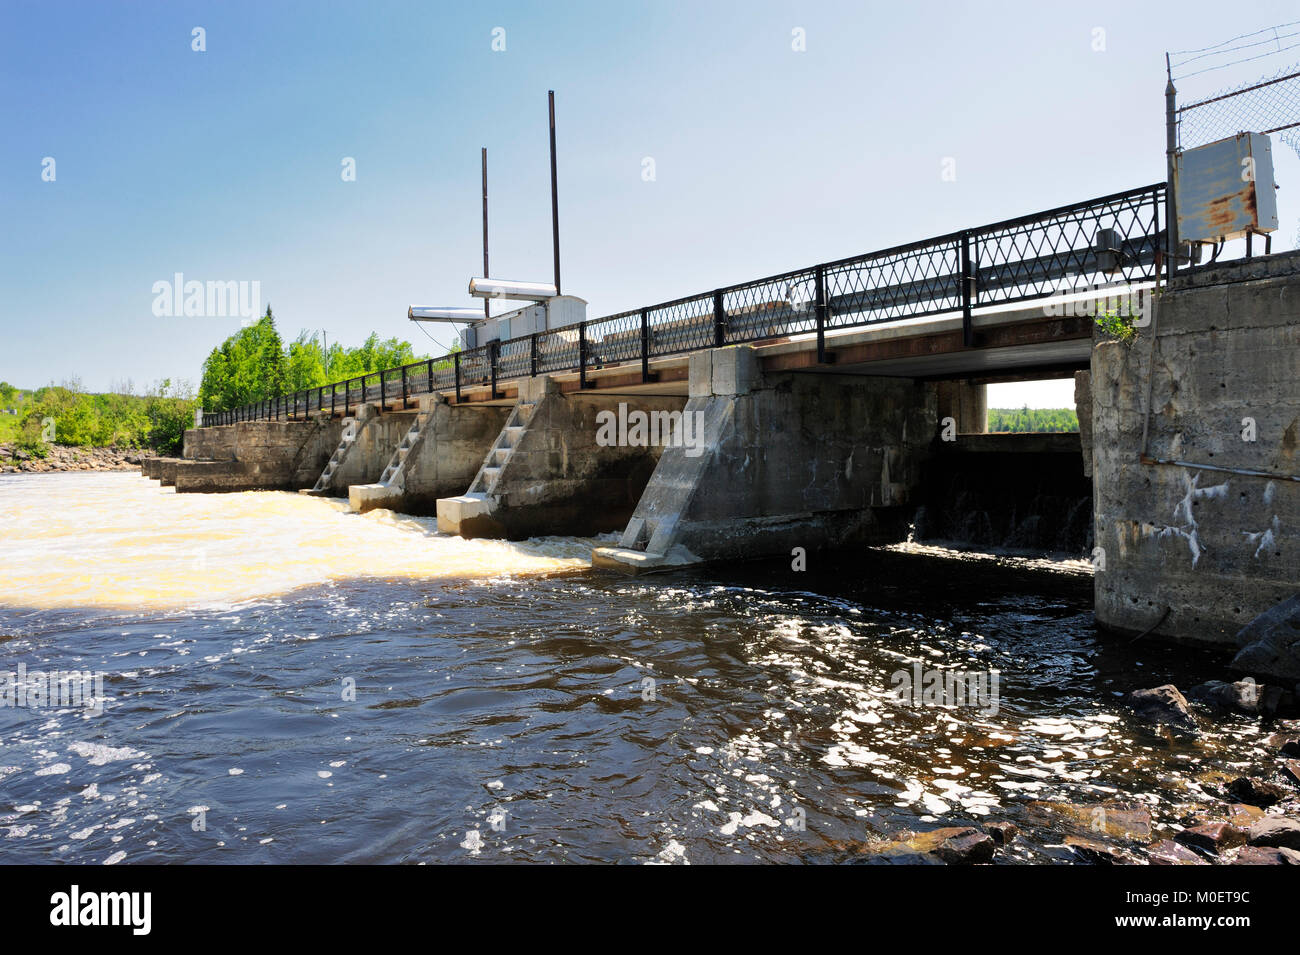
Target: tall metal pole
point(486, 310)
point(555, 197)
point(1171, 150)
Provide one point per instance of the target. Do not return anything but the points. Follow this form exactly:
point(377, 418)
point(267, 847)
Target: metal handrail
point(1015, 260)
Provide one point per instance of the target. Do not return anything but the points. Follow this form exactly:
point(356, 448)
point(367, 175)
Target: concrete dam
point(805, 412)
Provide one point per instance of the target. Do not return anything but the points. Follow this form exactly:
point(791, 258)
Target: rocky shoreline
point(67, 458)
point(1250, 818)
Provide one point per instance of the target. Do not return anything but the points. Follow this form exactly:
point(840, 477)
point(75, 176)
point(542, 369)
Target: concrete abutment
point(788, 460)
point(570, 463)
point(442, 450)
point(1197, 537)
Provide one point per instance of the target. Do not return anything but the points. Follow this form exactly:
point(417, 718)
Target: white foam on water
point(115, 540)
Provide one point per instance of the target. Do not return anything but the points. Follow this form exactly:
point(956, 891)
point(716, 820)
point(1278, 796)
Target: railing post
point(403, 387)
point(334, 393)
point(645, 345)
point(822, 307)
point(582, 355)
point(532, 355)
point(428, 377)
point(719, 320)
point(457, 364)
point(967, 282)
point(493, 350)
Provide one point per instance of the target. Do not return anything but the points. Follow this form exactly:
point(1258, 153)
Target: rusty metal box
point(1225, 189)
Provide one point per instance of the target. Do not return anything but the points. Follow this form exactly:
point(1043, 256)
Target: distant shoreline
point(62, 458)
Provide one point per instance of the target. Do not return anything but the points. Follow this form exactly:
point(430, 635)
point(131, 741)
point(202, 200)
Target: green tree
point(250, 365)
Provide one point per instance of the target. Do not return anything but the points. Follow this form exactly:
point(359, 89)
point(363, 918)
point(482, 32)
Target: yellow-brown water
point(315, 686)
point(118, 540)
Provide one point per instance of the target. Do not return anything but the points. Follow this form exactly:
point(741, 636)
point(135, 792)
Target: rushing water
point(502, 706)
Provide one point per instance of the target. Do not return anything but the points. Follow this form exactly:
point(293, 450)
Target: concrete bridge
point(757, 419)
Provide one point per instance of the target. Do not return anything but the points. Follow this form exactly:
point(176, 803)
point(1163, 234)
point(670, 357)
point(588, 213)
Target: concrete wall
point(1083, 411)
point(966, 403)
point(559, 480)
point(1215, 547)
point(265, 455)
point(378, 435)
point(791, 460)
point(210, 444)
point(443, 460)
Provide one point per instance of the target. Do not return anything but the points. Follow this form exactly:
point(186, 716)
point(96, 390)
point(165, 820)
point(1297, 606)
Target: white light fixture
point(451, 313)
point(502, 288)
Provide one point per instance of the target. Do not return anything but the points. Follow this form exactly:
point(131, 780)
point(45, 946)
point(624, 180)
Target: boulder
point(1168, 852)
point(1276, 832)
point(1113, 819)
point(1099, 853)
point(1270, 644)
point(1286, 744)
point(954, 845)
point(1003, 833)
point(1213, 837)
point(1255, 792)
point(1258, 855)
point(1245, 696)
point(1162, 706)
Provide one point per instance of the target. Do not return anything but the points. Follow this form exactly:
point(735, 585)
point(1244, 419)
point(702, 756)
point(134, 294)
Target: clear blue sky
point(225, 164)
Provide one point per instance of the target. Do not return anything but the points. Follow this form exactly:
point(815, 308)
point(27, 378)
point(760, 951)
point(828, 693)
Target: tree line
point(65, 414)
point(1033, 419)
point(254, 364)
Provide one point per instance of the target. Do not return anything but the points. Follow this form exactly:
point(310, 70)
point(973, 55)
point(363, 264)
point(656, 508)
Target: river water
point(284, 681)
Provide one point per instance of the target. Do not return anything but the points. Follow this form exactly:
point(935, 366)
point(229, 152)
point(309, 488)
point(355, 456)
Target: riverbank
point(14, 460)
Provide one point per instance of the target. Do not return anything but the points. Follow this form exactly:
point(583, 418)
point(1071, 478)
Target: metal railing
point(1012, 261)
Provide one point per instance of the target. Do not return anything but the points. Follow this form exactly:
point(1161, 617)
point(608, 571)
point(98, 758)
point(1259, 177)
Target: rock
point(1111, 819)
point(1163, 706)
point(1244, 696)
point(1287, 744)
point(1290, 769)
point(22, 455)
point(1213, 837)
point(1098, 853)
point(1256, 792)
point(1168, 852)
point(954, 845)
point(1003, 833)
point(1259, 855)
point(1277, 832)
point(1270, 644)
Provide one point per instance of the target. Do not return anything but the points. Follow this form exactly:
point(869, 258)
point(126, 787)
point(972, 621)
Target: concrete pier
point(552, 470)
point(255, 456)
point(790, 460)
point(1197, 536)
point(366, 443)
point(438, 457)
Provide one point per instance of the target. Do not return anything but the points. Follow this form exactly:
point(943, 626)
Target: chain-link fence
point(1270, 105)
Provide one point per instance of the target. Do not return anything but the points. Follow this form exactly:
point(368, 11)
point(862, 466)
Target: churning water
point(510, 704)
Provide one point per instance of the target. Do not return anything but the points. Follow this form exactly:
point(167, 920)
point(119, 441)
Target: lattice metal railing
point(1113, 238)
